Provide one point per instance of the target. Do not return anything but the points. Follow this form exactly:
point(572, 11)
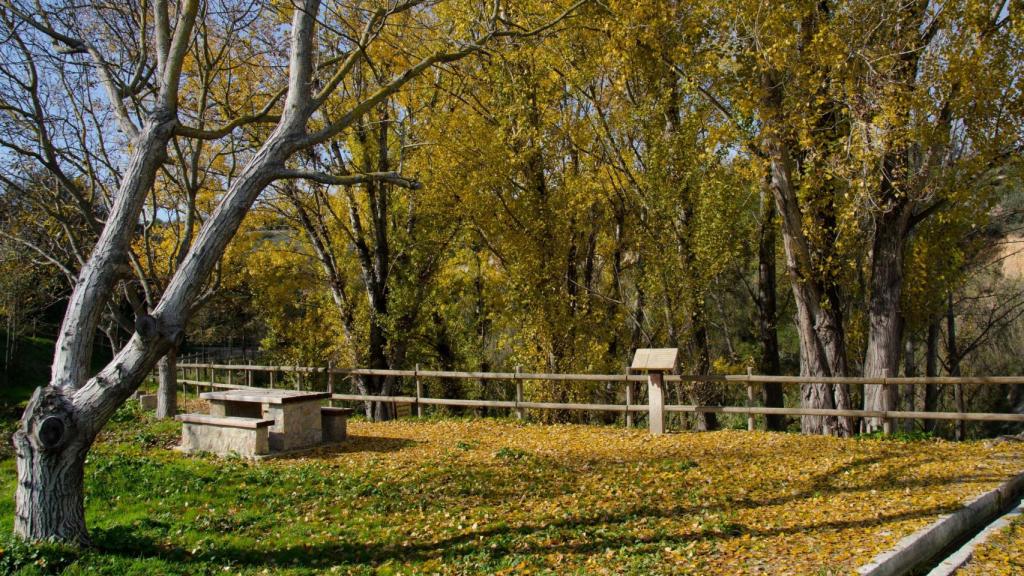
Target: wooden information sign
point(655, 359)
point(655, 362)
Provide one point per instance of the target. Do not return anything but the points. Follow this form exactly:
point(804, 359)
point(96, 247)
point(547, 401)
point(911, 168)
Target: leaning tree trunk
point(51, 443)
point(61, 422)
point(812, 363)
point(816, 335)
point(167, 385)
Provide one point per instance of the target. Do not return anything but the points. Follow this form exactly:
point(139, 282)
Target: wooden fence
point(204, 375)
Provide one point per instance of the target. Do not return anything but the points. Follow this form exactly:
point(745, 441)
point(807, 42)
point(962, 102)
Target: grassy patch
point(490, 497)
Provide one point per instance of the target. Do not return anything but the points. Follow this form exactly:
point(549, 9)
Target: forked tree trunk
point(49, 501)
point(55, 436)
point(167, 385)
point(62, 420)
point(812, 363)
point(822, 347)
point(821, 341)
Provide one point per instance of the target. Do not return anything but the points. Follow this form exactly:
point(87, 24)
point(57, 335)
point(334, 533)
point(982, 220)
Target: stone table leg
point(296, 425)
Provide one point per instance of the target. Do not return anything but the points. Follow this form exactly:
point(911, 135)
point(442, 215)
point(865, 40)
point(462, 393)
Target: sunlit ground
point(490, 496)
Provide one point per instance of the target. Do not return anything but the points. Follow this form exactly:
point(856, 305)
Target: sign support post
point(655, 362)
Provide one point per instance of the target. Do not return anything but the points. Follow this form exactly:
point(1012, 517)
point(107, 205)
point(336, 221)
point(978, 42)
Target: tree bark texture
point(822, 347)
point(62, 420)
point(167, 385)
point(767, 311)
point(50, 451)
point(953, 364)
point(931, 369)
point(884, 316)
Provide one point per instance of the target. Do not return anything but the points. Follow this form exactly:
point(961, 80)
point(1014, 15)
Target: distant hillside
point(1013, 256)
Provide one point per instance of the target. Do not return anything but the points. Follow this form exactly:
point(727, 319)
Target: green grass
point(479, 496)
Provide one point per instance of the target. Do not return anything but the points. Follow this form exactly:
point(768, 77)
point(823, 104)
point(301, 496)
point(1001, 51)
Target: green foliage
point(130, 411)
point(20, 557)
point(507, 453)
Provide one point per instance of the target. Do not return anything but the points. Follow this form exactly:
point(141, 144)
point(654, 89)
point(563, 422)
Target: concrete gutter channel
point(938, 545)
point(957, 559)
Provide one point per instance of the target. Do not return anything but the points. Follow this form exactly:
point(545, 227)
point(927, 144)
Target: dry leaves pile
point(464, 495)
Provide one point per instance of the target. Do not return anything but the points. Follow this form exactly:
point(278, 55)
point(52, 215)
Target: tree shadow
point(546, 536)
point(495, 542)
point(356, 444)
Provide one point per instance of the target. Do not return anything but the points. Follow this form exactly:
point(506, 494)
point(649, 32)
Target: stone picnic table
point(296, 413)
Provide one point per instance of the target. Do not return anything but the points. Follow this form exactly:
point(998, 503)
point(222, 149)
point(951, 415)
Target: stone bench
point(147, 401)
point(224, 435)
point(334, 422)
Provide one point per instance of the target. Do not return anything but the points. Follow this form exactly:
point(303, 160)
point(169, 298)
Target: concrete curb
point(926, 543)
point(957, 560)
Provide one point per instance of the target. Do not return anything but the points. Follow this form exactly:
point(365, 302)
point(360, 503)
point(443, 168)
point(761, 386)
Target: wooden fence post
point(230, 377)
point(248, 376)
point(419, 391)
point(886, 397)
point(750, 400)
point(629, 399)
point(520, 412)
point(655, 403)
point(330, 382)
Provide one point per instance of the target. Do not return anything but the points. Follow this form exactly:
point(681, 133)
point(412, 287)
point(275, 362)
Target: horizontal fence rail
point(519, 404)
point(738, 378)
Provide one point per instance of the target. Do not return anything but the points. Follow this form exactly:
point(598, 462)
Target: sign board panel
point(655, 359)
point(403, 409)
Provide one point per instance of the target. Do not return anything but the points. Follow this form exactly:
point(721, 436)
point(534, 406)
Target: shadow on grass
point(579, 534)
point(539, 539)
point(356, 444)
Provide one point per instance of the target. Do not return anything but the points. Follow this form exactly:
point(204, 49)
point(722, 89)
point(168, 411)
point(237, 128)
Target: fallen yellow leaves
point(601, 499)
point(1001, 554)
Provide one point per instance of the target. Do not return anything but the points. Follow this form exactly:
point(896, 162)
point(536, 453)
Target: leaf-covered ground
point(1001, 554)
point(492, 496)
